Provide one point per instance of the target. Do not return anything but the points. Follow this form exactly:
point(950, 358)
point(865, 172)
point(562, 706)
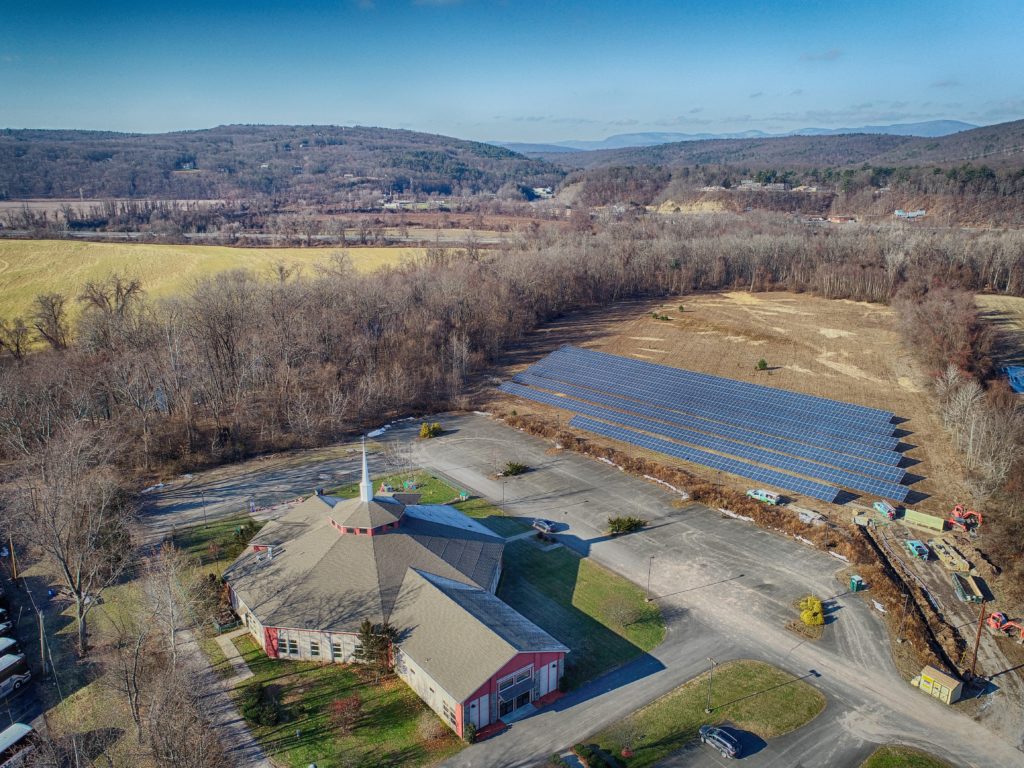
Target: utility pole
point(711, 674)
point(14, 558)
point(977, 640)
point(650, 563)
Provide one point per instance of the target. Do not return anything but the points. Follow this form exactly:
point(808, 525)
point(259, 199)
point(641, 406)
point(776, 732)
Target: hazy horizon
point(507, 71)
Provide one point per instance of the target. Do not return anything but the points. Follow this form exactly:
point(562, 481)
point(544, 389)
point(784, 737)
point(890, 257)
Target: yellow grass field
point(31, 267)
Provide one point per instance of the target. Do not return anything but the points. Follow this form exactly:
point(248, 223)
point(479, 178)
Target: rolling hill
point(998, 145)
point(318, 163)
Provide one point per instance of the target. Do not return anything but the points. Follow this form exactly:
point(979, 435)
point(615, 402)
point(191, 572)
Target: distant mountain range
point(927, 129)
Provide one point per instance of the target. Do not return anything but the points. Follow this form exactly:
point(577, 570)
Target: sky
point(512, 70)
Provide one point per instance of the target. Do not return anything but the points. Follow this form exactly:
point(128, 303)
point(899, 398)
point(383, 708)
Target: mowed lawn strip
point(902, 757)
point(195, 542)
point(600, 616)
point(435, 491)
point(386, 733)
point(751, 695)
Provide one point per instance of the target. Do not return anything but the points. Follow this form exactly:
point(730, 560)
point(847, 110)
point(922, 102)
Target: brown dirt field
point(1006, 313)
point(843, 350)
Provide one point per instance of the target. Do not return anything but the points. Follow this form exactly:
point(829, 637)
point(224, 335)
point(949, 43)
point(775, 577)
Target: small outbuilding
point(938, 684)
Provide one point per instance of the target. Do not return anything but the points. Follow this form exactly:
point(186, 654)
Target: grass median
point(750, 695)
point(601, 616)
point(891, 756)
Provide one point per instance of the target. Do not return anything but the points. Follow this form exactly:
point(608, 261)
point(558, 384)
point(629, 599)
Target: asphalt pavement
point(725, 587)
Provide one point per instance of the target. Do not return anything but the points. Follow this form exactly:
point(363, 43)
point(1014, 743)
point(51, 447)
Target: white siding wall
point(433, 694)
point(302, 641)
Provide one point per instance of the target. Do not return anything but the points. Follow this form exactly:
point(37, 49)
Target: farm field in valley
point(1006, 313)
point(843, 350)
point(32, 267)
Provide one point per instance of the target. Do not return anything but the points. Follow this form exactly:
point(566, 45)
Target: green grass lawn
point(750, 695)
point(601, 616)
point(433, 490)
point(902, 757)
point(386, 734)
point(196, 540)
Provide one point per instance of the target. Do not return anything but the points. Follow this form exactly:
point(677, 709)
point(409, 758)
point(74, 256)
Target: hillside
point(291, 162)
point(998, 145)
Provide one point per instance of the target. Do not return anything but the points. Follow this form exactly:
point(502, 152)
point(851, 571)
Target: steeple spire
point(365, 486)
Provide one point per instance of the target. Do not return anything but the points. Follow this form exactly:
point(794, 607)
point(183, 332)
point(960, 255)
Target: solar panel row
point(659, 379)
point(751, 392)
point(732, 466)
point(804, 444)
point(813, 464)
point(719, 409)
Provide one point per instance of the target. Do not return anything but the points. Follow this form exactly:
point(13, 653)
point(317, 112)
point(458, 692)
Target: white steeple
point(365, 486)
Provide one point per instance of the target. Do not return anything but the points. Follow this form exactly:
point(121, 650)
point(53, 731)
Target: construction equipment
point(885, 509)
point(949, 556)
point(1001, 623)
point(917, 548)
point(964, 519)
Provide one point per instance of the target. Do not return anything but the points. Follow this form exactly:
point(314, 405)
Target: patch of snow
point(836, 555)
point(481, 413)
point(152, 488)
point(680, 491)
point(805, 541)
point(610, 463)
point(878, 606)
point(735, 515)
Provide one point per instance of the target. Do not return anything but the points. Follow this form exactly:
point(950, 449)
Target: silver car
point(720, 739)
point(545, 526)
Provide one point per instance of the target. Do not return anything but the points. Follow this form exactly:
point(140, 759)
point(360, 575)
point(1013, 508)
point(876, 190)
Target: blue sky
point(539, 70)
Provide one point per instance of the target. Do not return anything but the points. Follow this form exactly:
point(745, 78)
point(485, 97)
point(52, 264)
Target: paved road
point(725, 586)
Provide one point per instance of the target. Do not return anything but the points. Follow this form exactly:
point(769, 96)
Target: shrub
point(811, 612)
point(469, 733)
point(344, 713)
point(514, 468)
point(430, 430)
point(627, 524)
point(681, 308)
point(762, 364)
point(258, 705)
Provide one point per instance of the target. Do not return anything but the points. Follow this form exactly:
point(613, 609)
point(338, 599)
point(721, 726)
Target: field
point(1006, 313)
point(843, 350)
point(31, 267)
point(902, 757)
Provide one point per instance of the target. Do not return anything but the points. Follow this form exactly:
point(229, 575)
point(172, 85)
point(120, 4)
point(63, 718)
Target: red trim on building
point(270, 641)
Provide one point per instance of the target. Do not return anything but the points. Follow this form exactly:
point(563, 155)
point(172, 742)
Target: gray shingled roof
point(355, 513)
point(321, 579)
point(461, 635)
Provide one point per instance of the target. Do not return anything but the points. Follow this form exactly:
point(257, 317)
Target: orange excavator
point(999, 621)
point(964, 519)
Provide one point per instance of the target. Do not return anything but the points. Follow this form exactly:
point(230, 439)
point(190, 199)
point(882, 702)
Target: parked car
point(16, 744)
point(721, 740)
point(545, 526)
point(14, 673)
point(6, 628)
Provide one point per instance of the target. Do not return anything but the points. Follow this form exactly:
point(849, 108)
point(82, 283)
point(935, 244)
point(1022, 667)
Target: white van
point(8, 645)
point(15, 745)
point(14, 673)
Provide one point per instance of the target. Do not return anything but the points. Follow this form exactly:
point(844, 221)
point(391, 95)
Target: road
point(725, 587)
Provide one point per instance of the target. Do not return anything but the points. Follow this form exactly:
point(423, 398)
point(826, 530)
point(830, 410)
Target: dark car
point(6, 629)
point(720, 739)
point(545, 526)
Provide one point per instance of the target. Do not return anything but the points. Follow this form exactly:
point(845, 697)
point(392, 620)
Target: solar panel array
point(796, 442)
